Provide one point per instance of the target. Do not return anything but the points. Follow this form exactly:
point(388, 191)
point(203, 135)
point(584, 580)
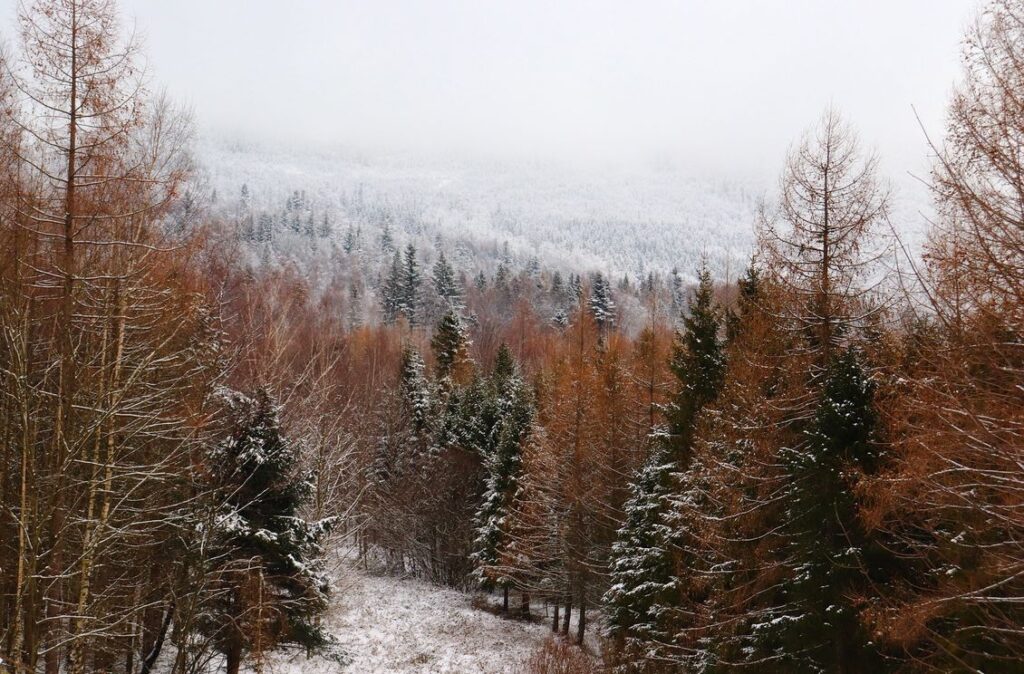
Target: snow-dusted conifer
point(445, 284)
point(815, 623)
point(602, 306)
point(267, 562)
point(643, 584)
point(698, 362)
point(410, 288)
point(450, 345)
point(391, 291)
point(503, 462)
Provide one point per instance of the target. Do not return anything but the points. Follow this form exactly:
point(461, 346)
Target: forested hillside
point(796, 446)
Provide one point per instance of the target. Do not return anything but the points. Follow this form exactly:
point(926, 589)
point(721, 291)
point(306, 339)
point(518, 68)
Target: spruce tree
point(749, 288)
point(643, 583)
point(269, 585)
point(410, 288)
point(391, 291)
point(387, 242)
point(450, 346)
point(602, 307)
point(698, 362)
point(415, 391)
point(349, 243)
point(815, 625)
point(445, 285)
point(513, 409)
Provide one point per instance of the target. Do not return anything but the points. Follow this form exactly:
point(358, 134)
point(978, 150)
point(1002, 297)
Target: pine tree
point(698, 362)
point(643, 583)
point(602, 307)
point(450, 346)
point(815, 625)
point(271, 588)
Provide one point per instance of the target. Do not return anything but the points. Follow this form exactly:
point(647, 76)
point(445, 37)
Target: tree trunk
point(234, 657)
point(554, 621)
point(526, 605)
point(154, 653)
point(581, 625)
point(504, 600)
point(568, 615)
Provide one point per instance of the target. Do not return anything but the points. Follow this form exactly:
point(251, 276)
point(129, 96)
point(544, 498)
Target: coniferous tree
point(503, 463)
point(643, 582)
point(410, 288)
point(450, 345)
point(387, 241)
point(391, 291)
point(349, 243)
point(748, 287)
point(815, 626)
point(415, 391)
point(698, 362)
point(445, 285)
point(602, 306)
point(268, 577)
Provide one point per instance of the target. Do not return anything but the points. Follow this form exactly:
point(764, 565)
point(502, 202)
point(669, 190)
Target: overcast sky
point(703, 83)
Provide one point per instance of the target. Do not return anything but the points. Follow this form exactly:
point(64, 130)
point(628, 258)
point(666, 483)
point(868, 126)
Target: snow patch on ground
point(396, 626)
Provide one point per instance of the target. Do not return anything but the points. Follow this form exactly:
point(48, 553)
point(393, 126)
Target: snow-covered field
point(390, 625)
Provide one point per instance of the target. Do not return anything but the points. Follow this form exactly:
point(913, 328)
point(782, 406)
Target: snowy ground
point(396, 626)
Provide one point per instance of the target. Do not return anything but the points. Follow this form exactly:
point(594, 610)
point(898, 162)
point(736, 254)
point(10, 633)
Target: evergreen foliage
point(510, 399)
point(450, 345)
point(602, 306)
point(814, 624)
point(268, 563)
point(698, 362)
point(643, 583)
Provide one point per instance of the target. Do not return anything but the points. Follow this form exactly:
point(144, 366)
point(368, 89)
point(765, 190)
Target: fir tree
point(391, 291)
point(450, 346)
point(349, 243)
point(445, 285)
point(503, 462)
point(387, 242)
point(602, 307)
point(698, 362)
point(557, 286)
point(410, 288)
point(749, 288)
point(815, 623)
point(267, 559)
point(415, 391)
point(676, 291)
point(643, 584)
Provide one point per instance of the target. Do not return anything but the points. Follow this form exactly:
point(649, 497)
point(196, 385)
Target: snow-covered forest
point(267, 408)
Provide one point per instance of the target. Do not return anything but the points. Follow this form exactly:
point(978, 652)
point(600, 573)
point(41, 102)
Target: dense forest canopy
point(813, 463)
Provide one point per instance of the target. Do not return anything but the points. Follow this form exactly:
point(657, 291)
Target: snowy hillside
point(389, 625)
point(616, 219)
point(619, 219)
